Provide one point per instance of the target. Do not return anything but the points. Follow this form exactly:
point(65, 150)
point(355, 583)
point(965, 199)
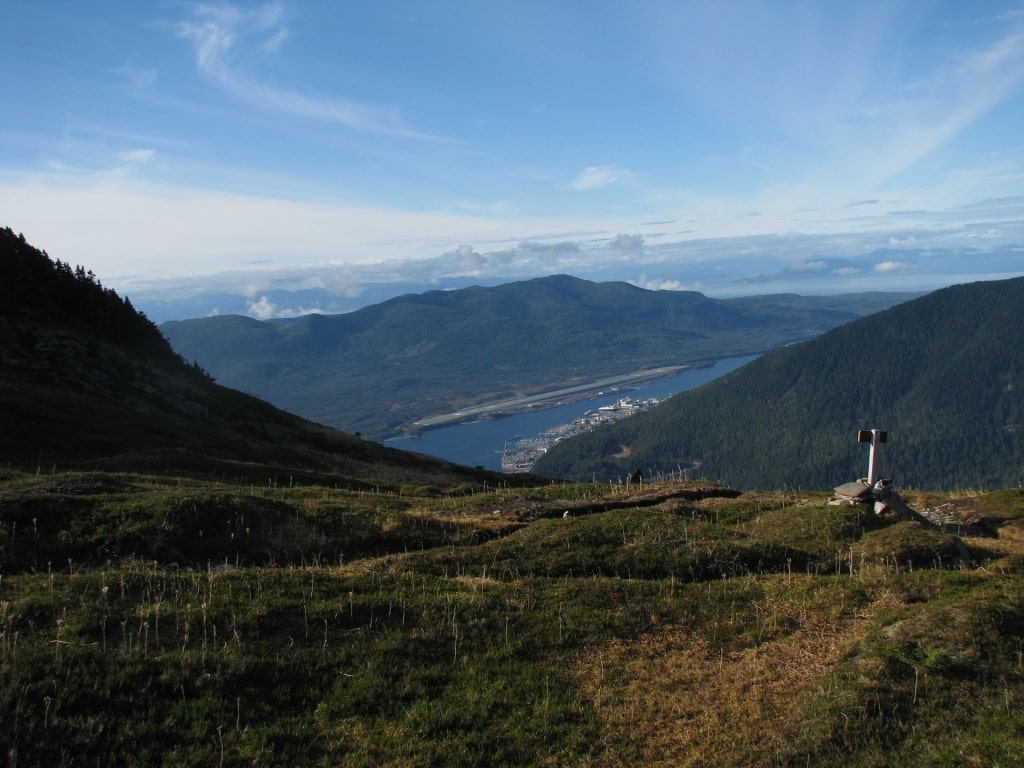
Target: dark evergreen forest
point(38, 288)
point(942, 374)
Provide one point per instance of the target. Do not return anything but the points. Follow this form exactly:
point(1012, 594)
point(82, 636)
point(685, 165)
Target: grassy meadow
point(150, 620)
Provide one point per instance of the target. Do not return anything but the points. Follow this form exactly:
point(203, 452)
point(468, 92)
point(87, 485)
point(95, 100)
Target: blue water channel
point(481, 443)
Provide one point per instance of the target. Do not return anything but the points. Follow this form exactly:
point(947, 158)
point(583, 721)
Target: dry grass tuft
point(675, 699)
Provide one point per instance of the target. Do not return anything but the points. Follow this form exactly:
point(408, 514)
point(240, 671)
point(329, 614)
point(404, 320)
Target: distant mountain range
point(942, 374)
point(379, 369)
point(86, 382)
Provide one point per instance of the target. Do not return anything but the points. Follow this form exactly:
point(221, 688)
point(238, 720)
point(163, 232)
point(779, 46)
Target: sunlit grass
point(310, 625)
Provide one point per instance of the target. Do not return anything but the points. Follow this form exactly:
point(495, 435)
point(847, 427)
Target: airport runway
point(543, 399)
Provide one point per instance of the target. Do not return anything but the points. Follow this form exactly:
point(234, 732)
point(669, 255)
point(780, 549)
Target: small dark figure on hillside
point(636, 477)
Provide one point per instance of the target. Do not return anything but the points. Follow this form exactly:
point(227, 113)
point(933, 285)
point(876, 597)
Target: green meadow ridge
point(189, 576)
point(669, 624)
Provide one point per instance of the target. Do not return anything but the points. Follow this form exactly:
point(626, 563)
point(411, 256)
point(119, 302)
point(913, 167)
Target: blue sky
point(307, 155)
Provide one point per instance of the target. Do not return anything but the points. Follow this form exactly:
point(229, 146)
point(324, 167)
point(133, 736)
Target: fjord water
point(481, 443)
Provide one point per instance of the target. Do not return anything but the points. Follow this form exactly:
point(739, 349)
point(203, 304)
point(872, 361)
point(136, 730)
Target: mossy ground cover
point(310, 625)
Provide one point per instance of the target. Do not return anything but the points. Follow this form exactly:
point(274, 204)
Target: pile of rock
point(879, 495)
point(885, 501)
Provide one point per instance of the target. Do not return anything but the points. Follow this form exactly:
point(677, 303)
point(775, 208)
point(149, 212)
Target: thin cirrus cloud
point(218, 31)
point(599, 176)
point(137, 155)
point(912, 123)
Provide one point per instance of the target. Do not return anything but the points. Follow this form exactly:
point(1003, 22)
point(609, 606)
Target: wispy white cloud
point(140, 77)
point(916, 122)
point(664, 284)
point(808, 266)
point(467, 261)
point(137, 155)
point(220, 33)
point(891, 266)
point(627, 243)
point(598, 176)
point(263, 309)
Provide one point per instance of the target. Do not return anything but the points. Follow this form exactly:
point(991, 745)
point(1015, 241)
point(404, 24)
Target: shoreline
point(548, 399)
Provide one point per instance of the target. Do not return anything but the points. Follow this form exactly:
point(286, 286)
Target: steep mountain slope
point(942, 374)
point(87, 382)
point(378, 369)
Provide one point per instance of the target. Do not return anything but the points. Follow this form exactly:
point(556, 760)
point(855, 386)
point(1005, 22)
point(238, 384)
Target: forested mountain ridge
point(55, 294)
point(380, 368)
point(943, 374)
point(88, 382)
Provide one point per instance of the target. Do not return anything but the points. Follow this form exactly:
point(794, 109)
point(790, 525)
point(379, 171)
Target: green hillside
point(169, 621)
point(381, 368)
point(942, 374)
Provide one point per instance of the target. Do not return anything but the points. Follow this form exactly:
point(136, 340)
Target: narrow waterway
point(480, 443)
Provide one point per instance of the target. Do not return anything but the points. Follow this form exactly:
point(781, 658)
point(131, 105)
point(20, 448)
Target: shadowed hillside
point(88, 382)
